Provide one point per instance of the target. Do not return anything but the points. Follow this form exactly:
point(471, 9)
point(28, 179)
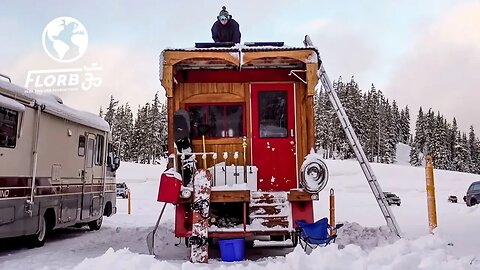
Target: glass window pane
point(99, 150)
point(216, 120)
point(198, 116)
point(272, 108)
point(90, 147)
point(235, 121)
point(8, 127)
point(81, 145)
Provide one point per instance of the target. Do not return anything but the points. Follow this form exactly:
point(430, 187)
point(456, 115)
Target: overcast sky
point(420, 53)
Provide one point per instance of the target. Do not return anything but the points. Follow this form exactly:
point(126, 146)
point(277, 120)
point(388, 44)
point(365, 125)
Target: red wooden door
point(273, 140)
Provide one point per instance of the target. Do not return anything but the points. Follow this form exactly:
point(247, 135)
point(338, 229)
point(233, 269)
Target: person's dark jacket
point(230, 32)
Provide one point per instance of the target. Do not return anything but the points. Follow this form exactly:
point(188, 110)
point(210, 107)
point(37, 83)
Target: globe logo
point(65, 39)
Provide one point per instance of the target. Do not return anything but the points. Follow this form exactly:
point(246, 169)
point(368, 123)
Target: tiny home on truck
point(250, 108)
point(57, 167)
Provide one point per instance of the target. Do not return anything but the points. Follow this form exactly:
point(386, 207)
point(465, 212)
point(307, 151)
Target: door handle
point(292, 134)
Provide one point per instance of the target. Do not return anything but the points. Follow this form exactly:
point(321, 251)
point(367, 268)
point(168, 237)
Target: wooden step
point(265, 223)
point(269, 211)
point(259, 197)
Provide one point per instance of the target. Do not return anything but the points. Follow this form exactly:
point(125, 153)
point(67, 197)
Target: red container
point(170, 186)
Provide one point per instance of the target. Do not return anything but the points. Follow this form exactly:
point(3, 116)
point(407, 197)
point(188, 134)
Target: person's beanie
point(224, 13)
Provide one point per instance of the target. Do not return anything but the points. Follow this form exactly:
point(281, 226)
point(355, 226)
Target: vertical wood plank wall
point(191, 93)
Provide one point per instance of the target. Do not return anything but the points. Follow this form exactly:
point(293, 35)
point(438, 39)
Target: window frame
point(225, 122)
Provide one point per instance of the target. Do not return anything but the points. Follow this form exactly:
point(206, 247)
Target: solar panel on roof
point(214, 44)
point(268, 43)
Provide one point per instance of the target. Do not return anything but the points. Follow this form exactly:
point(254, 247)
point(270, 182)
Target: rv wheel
point(38, 239)
point(96, 224)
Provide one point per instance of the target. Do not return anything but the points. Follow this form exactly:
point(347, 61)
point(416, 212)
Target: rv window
point(90, 151)
point(109, 154)
point(81, 145)
point(99, 150)
point(8, 127)
point(223, 120)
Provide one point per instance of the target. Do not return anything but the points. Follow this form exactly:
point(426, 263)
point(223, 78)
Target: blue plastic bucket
point(232, 250)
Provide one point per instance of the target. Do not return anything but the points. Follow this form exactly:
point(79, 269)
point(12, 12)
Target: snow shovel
point(151, 235)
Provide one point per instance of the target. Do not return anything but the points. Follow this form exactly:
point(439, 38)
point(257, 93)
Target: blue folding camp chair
point(315, 234)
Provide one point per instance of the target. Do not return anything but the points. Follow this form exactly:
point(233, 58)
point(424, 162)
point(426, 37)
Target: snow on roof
point(11, 104)
point(54, 105)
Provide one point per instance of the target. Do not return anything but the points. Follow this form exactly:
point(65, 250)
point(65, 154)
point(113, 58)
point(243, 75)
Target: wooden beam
point(170, 111)
point(230, 196)
point(312, 78)
point(214, 98)
point(310, 124)
point(167, 80)
point(173, 57)
point(300, 55)
point(296, 195)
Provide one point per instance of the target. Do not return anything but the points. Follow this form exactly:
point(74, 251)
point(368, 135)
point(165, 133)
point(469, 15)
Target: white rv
point(57, 167)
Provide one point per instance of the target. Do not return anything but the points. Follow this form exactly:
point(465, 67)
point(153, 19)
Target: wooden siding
point(183, 92)
point(301, 120)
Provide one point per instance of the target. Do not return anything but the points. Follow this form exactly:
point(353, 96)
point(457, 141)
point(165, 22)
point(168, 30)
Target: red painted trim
point(230, 76)
point(183, 225)
point(302, 210)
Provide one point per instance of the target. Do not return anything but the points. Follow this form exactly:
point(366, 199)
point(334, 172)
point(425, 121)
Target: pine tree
point(473, 147)
point(110, 114)
point(414, 157)
point(140, 142)
point(439, 149)
point(463, 154)
point(155, 128)
point(416, 154)
point(404, 125)
point(124, 131)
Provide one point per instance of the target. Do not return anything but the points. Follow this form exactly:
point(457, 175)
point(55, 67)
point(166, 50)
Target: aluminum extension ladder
point(359, 153)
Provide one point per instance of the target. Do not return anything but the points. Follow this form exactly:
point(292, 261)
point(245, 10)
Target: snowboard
point(200, 219)
point(181, 134)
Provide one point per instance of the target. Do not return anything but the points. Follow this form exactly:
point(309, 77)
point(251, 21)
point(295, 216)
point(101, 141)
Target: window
point(222, 120)
point(8, 127)
point(272, 108)
point(110, 155)
point(99, 150)
point(90, 152)
point(81, 145)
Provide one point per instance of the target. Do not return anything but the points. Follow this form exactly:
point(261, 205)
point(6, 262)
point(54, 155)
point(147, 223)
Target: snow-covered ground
point(363, 243)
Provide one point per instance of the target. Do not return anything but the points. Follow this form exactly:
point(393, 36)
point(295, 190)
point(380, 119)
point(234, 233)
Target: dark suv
point(473, 194)
point(392, 198)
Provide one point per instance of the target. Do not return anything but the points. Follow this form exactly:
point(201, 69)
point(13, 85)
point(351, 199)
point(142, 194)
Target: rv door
point(87, 176)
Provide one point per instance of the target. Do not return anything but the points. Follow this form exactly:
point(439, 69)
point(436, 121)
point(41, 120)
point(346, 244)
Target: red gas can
point(170, 186)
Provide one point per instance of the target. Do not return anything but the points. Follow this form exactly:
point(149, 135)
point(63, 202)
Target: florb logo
point(65, 39)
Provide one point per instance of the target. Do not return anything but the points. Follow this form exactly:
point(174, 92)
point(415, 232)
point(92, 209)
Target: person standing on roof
point(226, 29)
